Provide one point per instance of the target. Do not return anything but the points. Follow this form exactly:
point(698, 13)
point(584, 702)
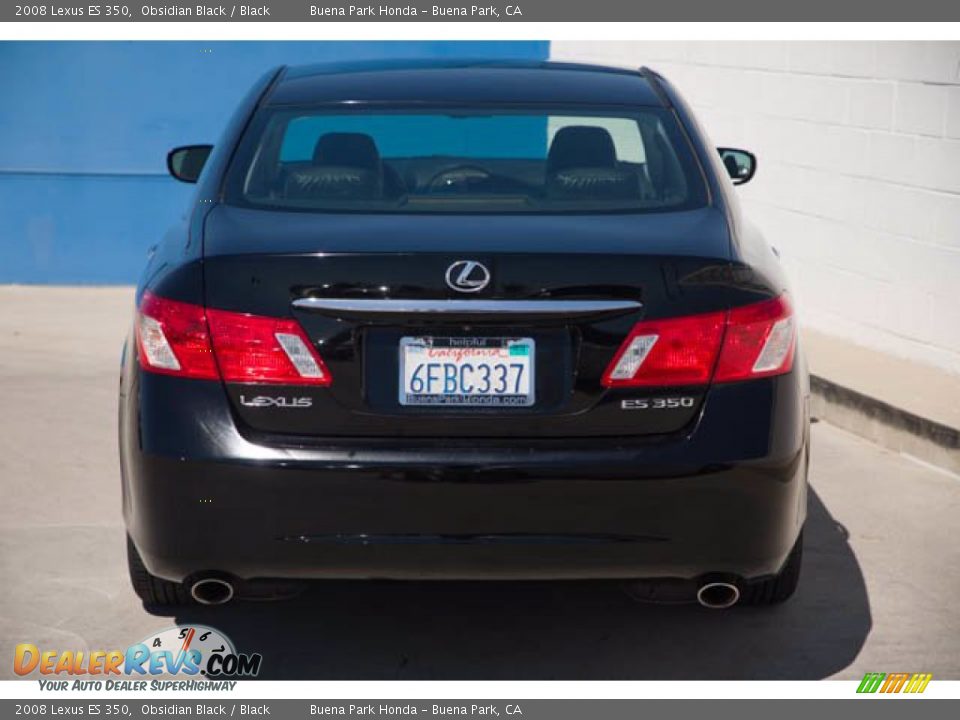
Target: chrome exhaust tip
point(718, 595)
point(212, 591)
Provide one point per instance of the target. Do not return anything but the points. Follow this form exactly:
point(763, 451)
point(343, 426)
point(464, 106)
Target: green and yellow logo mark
point(894, 682)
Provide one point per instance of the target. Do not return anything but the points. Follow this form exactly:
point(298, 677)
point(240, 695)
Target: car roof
point(463, 82)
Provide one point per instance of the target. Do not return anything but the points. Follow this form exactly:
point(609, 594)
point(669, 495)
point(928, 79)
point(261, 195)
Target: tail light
point(187, 340)
point(760, 341)
point(751, 341)
point(676, 351)
point(173, 339)
point(256, 349)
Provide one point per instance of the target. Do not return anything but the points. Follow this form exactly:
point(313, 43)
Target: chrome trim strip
point(377, 306)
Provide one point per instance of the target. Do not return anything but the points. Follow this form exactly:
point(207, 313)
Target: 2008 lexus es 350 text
point(464, 321)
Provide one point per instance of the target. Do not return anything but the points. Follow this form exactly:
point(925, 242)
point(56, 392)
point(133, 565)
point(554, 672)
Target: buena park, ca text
point(366, 11)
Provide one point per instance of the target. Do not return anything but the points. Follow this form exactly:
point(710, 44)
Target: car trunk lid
point(566, 289)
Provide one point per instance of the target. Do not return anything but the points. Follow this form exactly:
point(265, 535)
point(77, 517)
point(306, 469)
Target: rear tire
point(781, 586)
point(151, 589)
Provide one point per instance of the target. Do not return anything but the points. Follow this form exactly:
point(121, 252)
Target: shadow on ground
point(583, 631)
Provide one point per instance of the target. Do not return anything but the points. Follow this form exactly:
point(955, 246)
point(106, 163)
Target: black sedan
point(464, 321)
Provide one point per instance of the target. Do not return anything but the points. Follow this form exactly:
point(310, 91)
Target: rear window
point(465, 161)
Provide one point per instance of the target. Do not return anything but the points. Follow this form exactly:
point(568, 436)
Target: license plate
point(460, 371)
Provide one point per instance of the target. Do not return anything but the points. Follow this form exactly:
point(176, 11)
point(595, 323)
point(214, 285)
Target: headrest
point(581, 146)
point(346, 150)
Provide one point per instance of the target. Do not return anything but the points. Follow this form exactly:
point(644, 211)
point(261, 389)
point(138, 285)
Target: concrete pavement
point(907, 407)
point(878, 593)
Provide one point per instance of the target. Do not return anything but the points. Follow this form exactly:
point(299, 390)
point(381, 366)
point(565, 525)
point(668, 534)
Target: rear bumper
point(726, 497)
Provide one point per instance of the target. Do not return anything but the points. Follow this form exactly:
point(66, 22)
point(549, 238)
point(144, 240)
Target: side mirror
point(185, 163)
point(741, 165)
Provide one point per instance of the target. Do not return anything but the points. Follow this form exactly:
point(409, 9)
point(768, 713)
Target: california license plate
point(460, 371)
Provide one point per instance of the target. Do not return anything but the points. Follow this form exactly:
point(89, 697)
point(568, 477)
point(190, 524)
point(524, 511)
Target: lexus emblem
point(468, 276)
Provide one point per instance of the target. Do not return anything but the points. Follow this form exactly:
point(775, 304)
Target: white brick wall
point(859, 179)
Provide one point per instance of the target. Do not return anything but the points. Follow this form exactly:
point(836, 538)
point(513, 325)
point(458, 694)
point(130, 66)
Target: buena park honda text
point(464, 321)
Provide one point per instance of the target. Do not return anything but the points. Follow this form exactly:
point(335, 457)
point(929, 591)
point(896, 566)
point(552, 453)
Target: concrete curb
point(885, 424)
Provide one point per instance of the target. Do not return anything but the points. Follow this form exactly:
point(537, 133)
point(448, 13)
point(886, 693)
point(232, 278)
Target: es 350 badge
point(179, 651)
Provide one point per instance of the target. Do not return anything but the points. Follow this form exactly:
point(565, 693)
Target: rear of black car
point(474, 341)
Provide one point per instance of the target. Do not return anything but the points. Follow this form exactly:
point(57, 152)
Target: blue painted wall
point(85, 128)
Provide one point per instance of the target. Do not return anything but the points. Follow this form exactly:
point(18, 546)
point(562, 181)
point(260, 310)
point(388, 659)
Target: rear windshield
point(465, 161)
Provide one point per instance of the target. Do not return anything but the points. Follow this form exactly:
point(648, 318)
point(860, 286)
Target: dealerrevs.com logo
point(187, 651)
